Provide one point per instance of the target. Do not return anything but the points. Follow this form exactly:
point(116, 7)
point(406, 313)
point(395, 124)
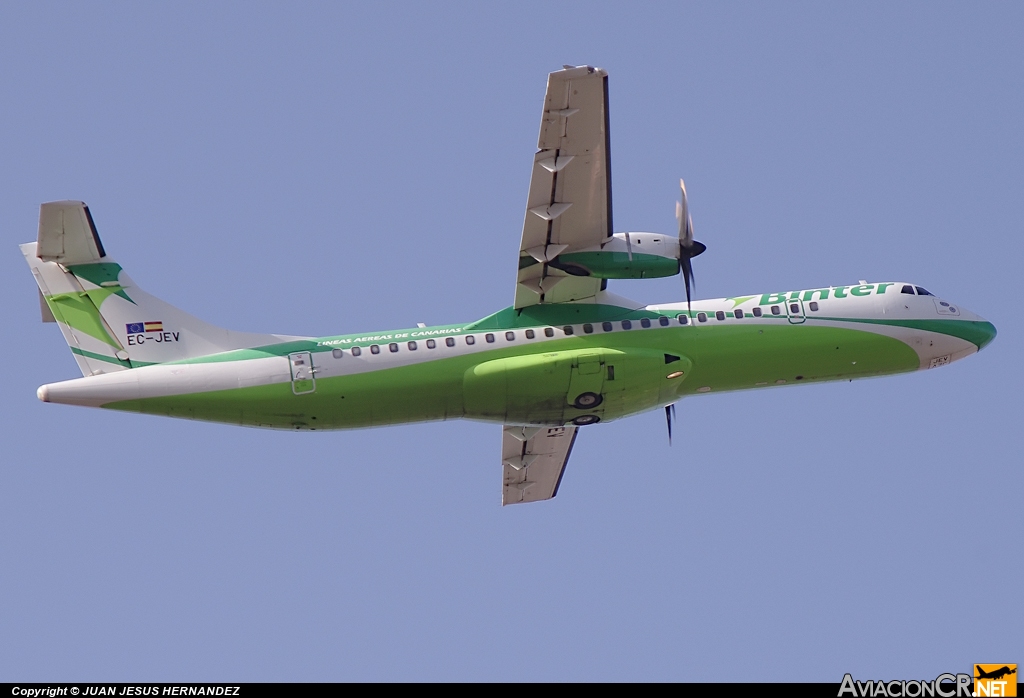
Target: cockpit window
point(908, 289)
point(922, 291)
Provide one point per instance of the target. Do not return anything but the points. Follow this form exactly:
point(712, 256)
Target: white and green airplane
point(567, 353)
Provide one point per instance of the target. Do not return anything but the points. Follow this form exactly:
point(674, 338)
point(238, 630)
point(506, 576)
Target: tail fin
point(109, 322)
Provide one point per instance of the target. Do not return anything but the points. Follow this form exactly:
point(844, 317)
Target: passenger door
point(303, 372)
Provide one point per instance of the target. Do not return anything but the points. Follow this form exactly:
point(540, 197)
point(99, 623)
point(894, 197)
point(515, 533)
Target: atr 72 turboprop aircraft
point(567, 353)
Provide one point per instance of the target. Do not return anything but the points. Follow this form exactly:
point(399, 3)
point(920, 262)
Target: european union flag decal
point(135, 328)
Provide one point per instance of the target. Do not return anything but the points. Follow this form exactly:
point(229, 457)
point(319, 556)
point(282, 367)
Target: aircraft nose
point(986, 333)
point(971, 326)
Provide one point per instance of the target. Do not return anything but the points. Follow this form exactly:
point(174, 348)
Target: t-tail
point(109, 322)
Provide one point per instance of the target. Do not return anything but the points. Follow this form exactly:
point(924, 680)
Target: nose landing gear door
point(303, 372)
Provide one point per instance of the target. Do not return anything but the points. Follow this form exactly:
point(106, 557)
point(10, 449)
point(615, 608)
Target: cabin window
point(719, 315)
point(450, 341)
point(814, 306)
point(489, 337)
point(702, 317)
point(374, 348)
point(738, 314)
point(663, 321)
point(393, 348)
point(645, 323)
point(356, 351)
point(530, 334)
point(470, 339)
point(337, 353)
point(775, 310)
point(627, 325)
point(606, 326)
point(549, 331)
point(412, 346)
point(683, 319)
point(588, 328)
point(510, 336)
point(908, 289)
point(567, 329)
point(794, 308)
point(431, 344)
point(922, 291)
point(757, 312)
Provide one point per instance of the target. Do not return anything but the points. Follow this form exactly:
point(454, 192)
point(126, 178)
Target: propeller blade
point(683, 216)
point(688, 247)
point(670, 415)
point(687, 269)
point(629, 248)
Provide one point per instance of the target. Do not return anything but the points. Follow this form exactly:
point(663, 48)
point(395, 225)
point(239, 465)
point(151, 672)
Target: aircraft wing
point(533, 460)
point(570, 202)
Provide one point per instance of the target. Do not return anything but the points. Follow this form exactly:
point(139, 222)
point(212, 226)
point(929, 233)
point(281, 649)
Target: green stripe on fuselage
point(978, 333)
point(107, 359)
point(558, 315)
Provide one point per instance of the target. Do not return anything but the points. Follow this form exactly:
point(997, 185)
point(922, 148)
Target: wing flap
point(533, 460)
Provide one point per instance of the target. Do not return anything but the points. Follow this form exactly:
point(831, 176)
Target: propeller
point(688, 247)
point(670, 413)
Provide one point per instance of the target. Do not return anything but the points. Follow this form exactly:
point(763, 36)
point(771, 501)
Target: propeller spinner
point(688, 247)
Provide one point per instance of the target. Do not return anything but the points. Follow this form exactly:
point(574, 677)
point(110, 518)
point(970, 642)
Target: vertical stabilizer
point(109, 322)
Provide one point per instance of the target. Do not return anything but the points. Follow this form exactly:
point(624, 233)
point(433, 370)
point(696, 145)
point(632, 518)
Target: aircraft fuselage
point(532, 366)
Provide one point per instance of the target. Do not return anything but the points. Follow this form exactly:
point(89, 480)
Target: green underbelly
point(629, 370)
point(737, 358)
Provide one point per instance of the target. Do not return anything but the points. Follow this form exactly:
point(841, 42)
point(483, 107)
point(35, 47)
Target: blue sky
point(330, 168)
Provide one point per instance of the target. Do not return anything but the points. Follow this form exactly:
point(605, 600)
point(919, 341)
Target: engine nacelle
point(624, 256)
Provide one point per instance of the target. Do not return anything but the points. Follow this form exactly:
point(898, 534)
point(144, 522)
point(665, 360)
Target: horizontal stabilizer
point(67, 234)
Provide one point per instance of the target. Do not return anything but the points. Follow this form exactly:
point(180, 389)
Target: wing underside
point(569, 206)
point(533, 460)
